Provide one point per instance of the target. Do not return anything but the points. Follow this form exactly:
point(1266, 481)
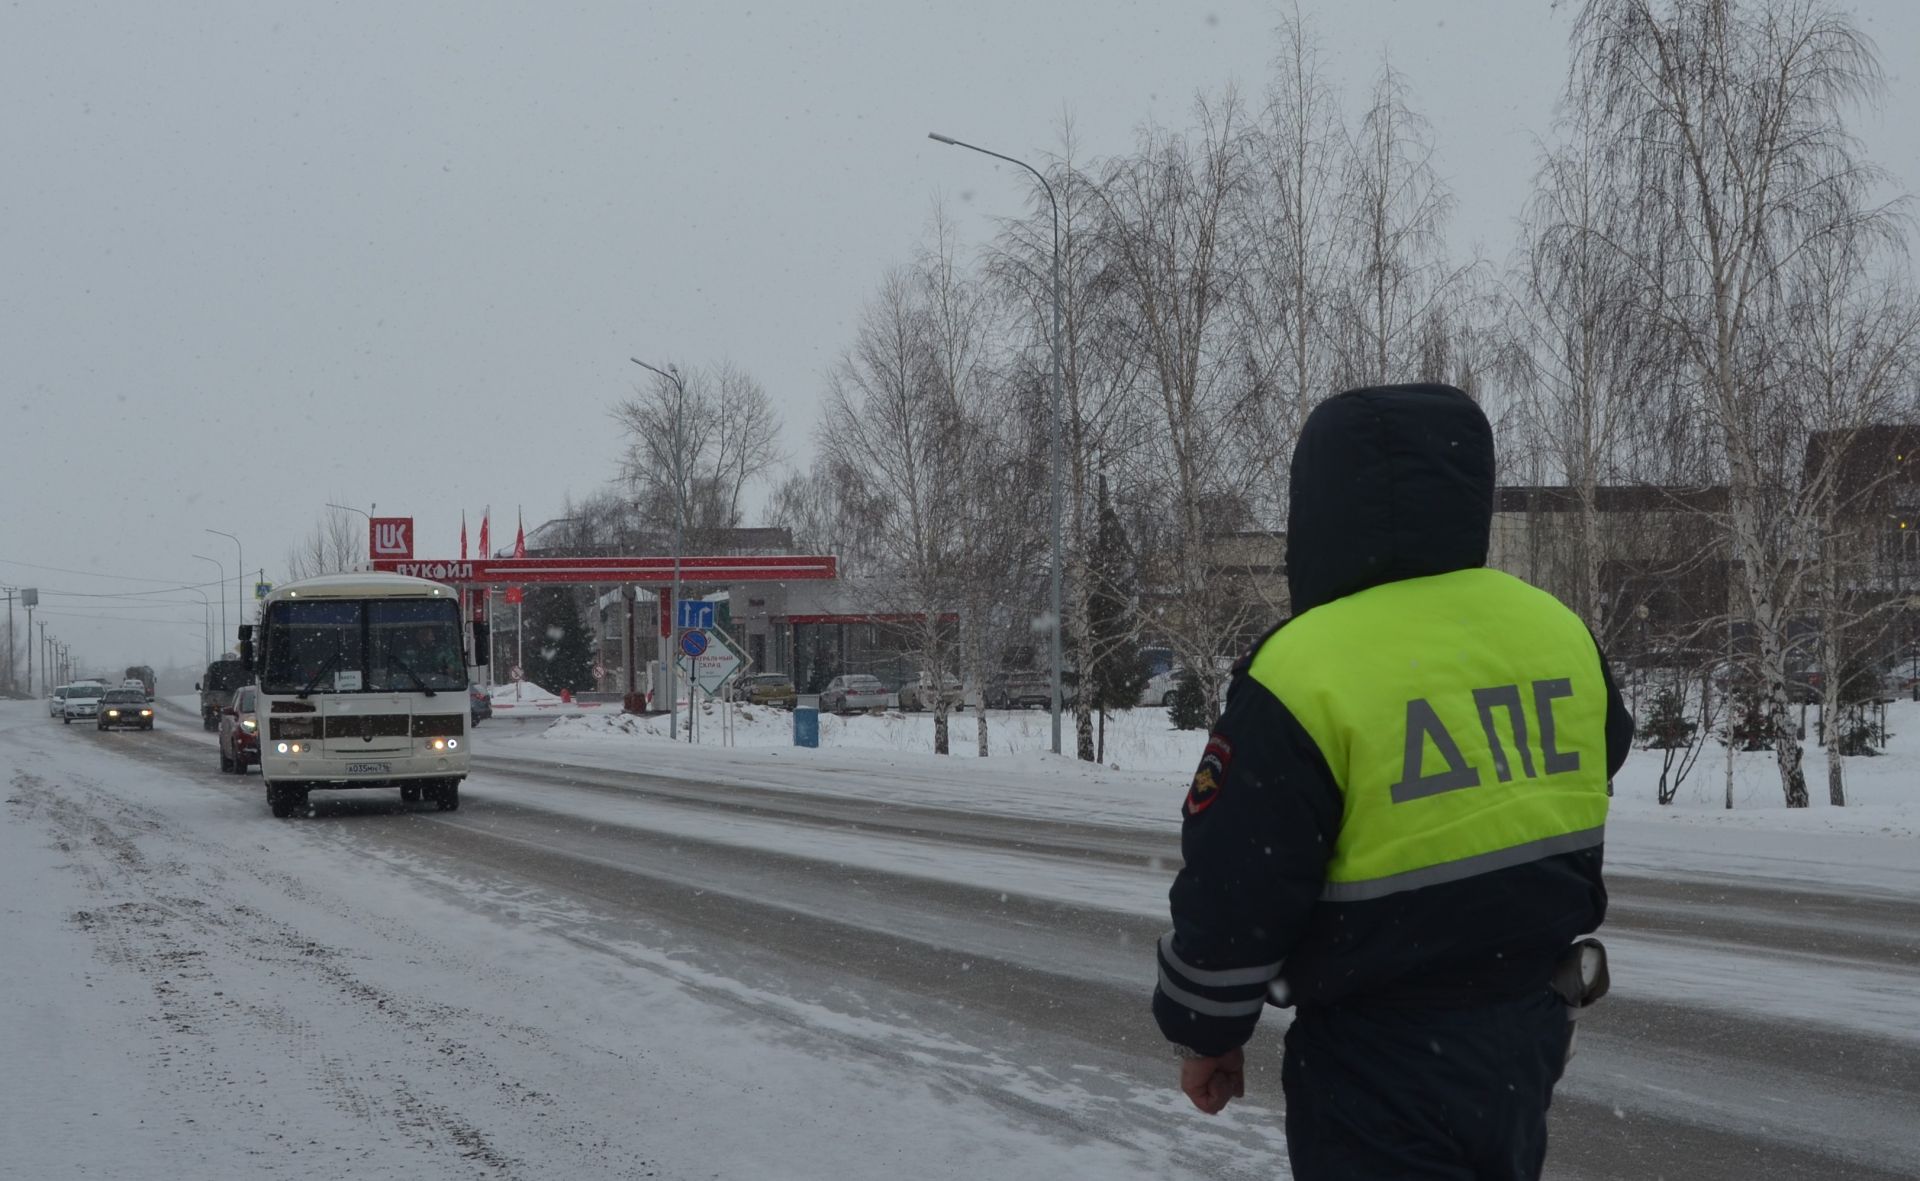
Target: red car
point(239, 732)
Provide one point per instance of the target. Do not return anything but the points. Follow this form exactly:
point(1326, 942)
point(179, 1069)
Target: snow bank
point(1140, 740)
point(1146, 759)
point(520, 693)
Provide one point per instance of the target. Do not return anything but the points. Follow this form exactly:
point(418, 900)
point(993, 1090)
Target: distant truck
point(216, 687)
point(143, 674)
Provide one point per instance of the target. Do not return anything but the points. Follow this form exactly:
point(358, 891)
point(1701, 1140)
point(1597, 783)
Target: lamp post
point(1053, 443)
point(223, 593)
point(672, 374)
point(239, 572)
point(206, 621)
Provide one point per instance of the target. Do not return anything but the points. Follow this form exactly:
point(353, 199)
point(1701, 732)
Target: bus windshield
point(362, 645)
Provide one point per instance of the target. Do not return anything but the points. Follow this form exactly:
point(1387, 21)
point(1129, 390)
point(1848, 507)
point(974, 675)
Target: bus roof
point(363, 584)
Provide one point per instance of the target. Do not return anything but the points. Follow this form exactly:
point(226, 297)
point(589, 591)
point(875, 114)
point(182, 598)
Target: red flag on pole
point(486, 551)
point(463, 535)
point(517, 594)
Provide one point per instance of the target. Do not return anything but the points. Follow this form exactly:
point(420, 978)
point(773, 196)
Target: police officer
point(1396, 826)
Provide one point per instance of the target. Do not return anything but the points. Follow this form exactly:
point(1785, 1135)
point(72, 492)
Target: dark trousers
point(1419, 1094)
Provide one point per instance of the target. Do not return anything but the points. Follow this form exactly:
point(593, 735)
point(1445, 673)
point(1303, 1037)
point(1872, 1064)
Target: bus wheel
point(285, 801)
point(446, 795)
point(409, 793)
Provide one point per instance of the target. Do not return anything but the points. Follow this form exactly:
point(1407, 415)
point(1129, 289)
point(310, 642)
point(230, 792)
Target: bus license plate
point(369, 768)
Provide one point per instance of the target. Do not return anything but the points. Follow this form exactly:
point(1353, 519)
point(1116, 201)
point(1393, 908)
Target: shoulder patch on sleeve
point(1210, 778)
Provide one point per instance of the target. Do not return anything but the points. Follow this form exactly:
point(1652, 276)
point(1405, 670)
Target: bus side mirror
point(482, 643)
point(246, 646)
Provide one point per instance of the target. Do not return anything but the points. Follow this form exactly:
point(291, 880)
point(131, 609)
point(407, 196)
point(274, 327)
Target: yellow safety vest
point(1464, 719)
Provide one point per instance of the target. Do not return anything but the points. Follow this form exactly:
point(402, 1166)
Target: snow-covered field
point(1149, 761)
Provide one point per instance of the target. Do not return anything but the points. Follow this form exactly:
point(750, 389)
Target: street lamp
point(222, 584)
point(672, 374)
point(206, 620)
point(1054, 431)
point(239, 569)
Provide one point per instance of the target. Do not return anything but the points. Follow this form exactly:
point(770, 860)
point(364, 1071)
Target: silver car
point(852, 693)
point(83, 701)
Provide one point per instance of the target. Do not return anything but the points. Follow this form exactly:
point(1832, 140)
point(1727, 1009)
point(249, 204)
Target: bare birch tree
point(336, 543)
point(1174, 262)
point(1851, 333)
point(1395, 309)
point(1729, 118)
point(893, 429)
point(1299, 253)
point(695, 441)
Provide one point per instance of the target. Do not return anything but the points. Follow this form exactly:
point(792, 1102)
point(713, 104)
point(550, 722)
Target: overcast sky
point(254, 257)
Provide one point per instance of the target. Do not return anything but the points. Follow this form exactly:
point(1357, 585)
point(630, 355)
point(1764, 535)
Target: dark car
point(1027, 690)
point(240, 731)
point(121, 708)
point(216, 688)
point(479, 704)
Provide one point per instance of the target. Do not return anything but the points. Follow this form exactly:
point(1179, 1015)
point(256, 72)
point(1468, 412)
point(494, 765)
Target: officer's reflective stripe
point(1466, 867)
point(1216, 978)
point(1205, 1007)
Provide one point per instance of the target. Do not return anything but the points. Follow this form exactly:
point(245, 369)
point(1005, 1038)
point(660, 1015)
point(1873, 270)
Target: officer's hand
point(1212, 1082)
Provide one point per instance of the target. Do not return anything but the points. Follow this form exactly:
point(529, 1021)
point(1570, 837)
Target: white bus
point(362, 683)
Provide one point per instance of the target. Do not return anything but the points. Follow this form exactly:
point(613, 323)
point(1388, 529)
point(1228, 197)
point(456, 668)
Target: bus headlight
point(439, 744)
point(453, 744)
point(282, 748)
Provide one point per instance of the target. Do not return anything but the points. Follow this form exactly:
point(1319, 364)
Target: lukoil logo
point(392, 537)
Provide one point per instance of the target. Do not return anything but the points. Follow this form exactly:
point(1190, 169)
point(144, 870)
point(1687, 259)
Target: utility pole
point(1053, 434)
point(239, 574)
point(222, 584)
point(668, 667)
point(12, 683)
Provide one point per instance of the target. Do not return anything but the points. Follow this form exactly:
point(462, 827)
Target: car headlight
point(113, 713)
point(146, 713)
point(249, 725)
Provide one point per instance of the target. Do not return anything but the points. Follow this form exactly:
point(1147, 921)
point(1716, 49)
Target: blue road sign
point(694, 614)
point(693, 643)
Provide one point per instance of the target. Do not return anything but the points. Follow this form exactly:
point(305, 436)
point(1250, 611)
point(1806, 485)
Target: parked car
point(124, 707)
point(240, 731)
point(1159, 688)
point(479, 704)
point(857, 691)
point(56, 700)
point(918, 694)
point(82, 701)
point(772, 689)
point(1026, 690)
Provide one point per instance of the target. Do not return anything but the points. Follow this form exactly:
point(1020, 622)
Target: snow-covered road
point(744, 964)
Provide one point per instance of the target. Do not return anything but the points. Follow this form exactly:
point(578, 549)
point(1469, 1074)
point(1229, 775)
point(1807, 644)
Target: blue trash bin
point(806, 720)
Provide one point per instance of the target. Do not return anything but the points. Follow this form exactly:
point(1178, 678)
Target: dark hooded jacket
point(1388, 483)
